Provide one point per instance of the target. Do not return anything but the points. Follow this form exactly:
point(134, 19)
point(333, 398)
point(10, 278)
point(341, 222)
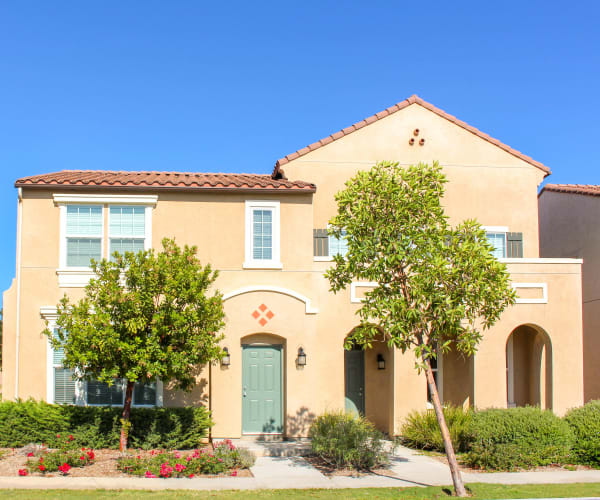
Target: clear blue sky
point(231, 87)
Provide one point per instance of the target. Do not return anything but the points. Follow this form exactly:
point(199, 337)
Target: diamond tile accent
point(263, 314)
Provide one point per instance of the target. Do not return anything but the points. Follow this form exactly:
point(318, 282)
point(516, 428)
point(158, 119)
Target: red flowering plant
point(62, 459)
point(223, 458)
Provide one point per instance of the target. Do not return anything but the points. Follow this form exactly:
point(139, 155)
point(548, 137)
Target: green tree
point(438, 287)
point(145, 316)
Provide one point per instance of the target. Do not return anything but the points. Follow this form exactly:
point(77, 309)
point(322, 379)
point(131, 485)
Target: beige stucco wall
point(570, 227)
point(485, 182)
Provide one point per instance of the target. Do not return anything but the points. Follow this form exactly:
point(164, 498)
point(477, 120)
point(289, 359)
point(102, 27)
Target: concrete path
point(407, 468)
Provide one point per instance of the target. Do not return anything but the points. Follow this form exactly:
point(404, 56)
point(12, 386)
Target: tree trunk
point(459, 487)
point(125, 424)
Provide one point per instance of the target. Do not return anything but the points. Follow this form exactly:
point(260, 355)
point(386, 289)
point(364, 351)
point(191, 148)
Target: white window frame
point(64, 237)
point(275, 261)
point(79, 277)
point(499, 229)
point(147, 227)
point(49, 313)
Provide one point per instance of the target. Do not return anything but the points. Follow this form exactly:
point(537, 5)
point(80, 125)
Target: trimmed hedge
point(585, 424)
point(518, 438)
point(421, 429)
point(31, 421)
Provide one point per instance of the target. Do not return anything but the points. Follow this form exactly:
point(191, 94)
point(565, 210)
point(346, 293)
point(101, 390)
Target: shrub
point(585, 424)
point(224, 457)
point(344, 440)
point(515, 438)
point(421, 429)
point(62, 459)
point(26, 422)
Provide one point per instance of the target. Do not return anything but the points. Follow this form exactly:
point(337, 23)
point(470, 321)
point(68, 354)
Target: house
point(569, 215)
point(267, 235)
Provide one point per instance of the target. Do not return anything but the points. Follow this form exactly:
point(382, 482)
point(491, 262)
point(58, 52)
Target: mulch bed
point(329, 470)
point(105, 465)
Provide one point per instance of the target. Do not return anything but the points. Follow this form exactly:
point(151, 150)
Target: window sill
point(322, 259)
point(74, 277)
point(267, 264)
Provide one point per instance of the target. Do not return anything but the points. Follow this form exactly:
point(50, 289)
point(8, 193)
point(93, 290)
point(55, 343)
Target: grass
point(478, 490)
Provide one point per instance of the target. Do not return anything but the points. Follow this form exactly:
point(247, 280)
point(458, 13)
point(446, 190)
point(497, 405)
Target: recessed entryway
point(354, 378)
point(262, 397)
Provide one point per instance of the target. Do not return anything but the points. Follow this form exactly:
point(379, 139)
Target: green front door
point(354, 378)
point(262, 408)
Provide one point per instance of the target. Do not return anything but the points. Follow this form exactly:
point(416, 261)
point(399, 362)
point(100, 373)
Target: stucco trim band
point(540, 300)
point(275, 289)
point(128, 199)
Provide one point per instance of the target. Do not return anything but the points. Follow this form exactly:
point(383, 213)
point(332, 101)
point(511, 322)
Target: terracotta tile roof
point(414, 99)
point(162, 180)
point(587, 189)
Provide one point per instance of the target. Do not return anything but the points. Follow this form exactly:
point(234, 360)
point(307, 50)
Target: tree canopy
point(438, 287)
point(145, 316)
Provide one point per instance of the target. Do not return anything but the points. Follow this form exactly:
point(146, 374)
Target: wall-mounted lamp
point(226, 360)
point(301, 360)
point(380, 362)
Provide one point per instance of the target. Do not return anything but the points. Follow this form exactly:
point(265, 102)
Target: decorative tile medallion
point(264, 313)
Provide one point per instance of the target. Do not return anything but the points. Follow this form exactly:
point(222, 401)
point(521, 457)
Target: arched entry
point(368, 383)
point(262, 384)
point(529, 367)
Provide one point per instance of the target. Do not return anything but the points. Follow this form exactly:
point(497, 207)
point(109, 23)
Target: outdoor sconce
point(226, 360)
point(301, 360)
point(380, 362)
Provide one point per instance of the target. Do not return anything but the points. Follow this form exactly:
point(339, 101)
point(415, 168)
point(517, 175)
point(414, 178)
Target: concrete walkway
point(407, 468)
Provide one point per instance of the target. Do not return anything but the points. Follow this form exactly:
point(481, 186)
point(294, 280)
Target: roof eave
point(306, 190)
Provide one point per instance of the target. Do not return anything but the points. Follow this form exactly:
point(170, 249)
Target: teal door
point(354, 368)
point(262, 408)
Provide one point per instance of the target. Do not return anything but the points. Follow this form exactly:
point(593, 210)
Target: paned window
point(127, 229)
point(84, 235)
point(64, 378)
point(498, 241)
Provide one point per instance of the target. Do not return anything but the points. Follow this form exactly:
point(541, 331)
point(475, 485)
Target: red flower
point(64, 468)
point(81, 457)
point(234, 473)
point(58, 436)
point(22, 472)
point(30, 454)
point(70, 437)
point(191, 476)
point(42, 467)
point(91, 455)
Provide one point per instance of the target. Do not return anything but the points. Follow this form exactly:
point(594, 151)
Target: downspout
point(19, 249)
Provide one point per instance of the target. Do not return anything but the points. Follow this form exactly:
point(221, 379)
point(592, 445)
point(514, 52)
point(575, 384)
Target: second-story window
point(262, 235)
point(127, 229)
point(498, 240)
point(84, 234)
point(338, 245)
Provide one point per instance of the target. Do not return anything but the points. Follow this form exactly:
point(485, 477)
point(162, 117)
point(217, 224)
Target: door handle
point(244, 392)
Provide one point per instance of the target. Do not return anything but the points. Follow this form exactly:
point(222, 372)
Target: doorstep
point(271, 448)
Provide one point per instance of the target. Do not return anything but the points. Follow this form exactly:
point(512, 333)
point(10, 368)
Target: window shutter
point(64, 386)
point(320, 243)
point(514, 245)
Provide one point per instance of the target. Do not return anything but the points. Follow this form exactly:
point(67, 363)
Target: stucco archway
point(529, 367)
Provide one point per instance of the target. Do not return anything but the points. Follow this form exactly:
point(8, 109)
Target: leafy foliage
point(97, 427)
point(518, 438)
point(346, 440)
point(421, 429)
point(437, 287)
point(585, 424)
point(435, 283)
point(145, 316)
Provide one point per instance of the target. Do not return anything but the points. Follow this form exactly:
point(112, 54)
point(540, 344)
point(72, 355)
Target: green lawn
point(479, 490)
